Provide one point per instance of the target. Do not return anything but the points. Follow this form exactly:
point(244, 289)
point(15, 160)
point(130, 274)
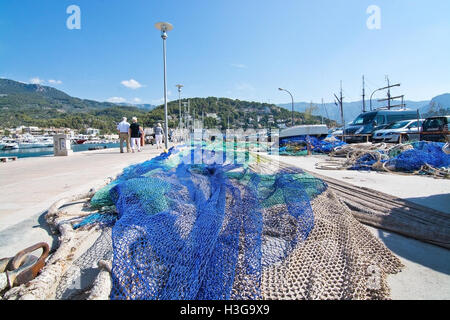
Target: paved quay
point(426, 275)
point(424, 190)
point(29, 186)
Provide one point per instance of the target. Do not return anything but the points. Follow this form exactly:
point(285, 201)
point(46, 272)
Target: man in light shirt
point(158, 135)
point(123, 127)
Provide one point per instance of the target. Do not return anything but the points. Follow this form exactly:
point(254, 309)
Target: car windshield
point(364, 118)
point(397, 125)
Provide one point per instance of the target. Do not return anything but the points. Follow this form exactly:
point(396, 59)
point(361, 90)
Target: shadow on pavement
point(425, 254)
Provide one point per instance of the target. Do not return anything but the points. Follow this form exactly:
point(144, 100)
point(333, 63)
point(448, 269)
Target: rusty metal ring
point(25, 268)
point(21, 255)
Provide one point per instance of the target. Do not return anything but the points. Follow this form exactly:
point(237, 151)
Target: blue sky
point(238, 49)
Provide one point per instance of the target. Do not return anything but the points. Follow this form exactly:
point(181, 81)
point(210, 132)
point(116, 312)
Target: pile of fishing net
point(420, 157)
point(298, 146)
point(423, 153)
point(228, 231)
point(217, 228)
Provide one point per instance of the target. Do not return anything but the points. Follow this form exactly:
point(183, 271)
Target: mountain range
point(439, 105)
point(43, 106)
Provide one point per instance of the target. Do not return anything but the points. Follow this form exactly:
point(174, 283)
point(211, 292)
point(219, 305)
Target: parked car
point(391, 133)
point(369, 122)
point(436, 129)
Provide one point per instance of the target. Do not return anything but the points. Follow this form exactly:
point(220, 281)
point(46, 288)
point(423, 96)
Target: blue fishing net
point(204, 230)
point(423, 153)
point(297, 146)
point(364, 163)
point(430, 153)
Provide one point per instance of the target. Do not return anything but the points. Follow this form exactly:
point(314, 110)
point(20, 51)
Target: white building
point(92, 131)
point(212, 115)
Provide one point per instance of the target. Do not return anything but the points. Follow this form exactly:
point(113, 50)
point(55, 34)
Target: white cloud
point(116, 100)
point(132, 84)
point(137, 100)
point(51, 81)
point(238, 65)
point(36, 81)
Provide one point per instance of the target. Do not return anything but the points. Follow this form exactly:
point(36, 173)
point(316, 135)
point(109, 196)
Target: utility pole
point(185, 123)
point(189, 113)
point(322, 109)
point(340, 100)
point(193, 119)
point(165, 27)
point(364, 96)
point(389, 93)
point(179, 86)
point(326, 110)
point(292, 121)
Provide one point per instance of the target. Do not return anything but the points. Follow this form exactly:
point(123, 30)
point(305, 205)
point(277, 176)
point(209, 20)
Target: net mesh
point(409, 157)
point(424, 153)
point(78, 279)
point(297, 146)
point(222, 230)
point(204, 231)
point(194, 223)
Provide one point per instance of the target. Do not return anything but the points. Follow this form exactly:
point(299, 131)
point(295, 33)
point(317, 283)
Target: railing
point(344, 136)
point(420, 134)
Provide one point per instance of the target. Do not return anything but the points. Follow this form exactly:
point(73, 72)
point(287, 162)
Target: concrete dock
point(423, 190)
point(29, 186)
point(426, 274)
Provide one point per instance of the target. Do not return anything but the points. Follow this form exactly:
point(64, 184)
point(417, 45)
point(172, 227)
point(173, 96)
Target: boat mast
point(363, 96)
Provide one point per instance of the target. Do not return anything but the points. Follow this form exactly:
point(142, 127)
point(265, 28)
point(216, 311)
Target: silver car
point(392, 132)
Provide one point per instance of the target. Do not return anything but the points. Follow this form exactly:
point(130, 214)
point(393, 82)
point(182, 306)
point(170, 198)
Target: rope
point(378, 157)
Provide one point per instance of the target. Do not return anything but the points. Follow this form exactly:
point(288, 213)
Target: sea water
point(39, 152)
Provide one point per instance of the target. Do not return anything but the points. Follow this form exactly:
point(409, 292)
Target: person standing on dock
point(123, 128)
point(159, 132)
point(135, 134)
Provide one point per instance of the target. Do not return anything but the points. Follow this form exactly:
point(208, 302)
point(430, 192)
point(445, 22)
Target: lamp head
point(164, 27)
point(281, 89)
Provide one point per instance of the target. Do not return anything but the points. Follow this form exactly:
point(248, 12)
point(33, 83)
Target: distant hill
point(144, 106)
point(21, 96)
point(219, 112)
point(353, 109)
point(438, 106)
point(43, 106)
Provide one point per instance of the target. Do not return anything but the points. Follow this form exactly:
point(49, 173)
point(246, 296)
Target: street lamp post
point(165, 27)
point(281, 89)
point(179, 86)
point(371, 98)
point(388, 87)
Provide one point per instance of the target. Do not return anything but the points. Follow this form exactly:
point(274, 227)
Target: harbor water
point(39, 152)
